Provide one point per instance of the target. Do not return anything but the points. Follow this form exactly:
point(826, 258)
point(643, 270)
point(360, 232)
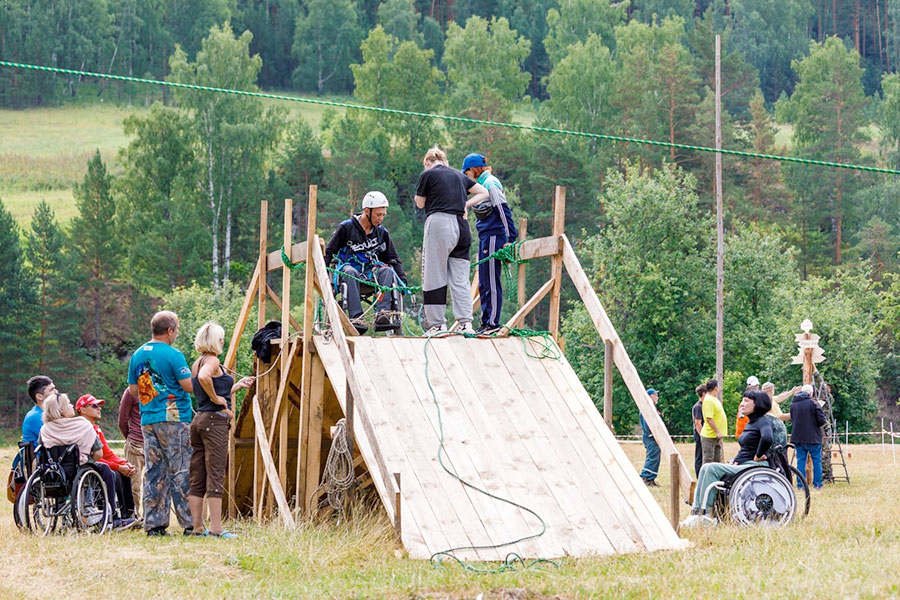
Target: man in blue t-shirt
point(159, 376)
point(39, 387)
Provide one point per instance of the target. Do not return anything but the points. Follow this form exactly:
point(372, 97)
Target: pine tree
point(95, 238)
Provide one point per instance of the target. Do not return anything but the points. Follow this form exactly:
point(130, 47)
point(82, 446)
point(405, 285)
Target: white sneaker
point(697, 522)
point(436, 330)
point(466, 328)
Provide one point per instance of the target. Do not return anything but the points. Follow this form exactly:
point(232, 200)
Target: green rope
point(512, 559)
point(394, 111)
point(548, 348)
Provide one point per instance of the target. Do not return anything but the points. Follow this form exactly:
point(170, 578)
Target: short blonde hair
point(53, 407)
point(210, 339)
point(435, 155)
point(768, 386)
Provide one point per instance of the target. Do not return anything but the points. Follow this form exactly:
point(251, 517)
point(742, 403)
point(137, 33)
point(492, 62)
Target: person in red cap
point(89, 407)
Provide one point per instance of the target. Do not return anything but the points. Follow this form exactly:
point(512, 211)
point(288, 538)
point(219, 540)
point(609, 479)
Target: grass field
point(848, 547)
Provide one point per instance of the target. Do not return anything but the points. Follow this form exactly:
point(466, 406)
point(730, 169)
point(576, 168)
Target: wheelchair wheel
point(801, 480)
point(762, 496)
point(90, 510)
point(39, 513)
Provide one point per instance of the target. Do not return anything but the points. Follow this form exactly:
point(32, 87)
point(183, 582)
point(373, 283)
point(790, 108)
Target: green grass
point(849, 547)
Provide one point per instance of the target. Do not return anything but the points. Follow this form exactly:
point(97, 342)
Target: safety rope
point(513, 560)
point(394, 111)
point(339, 473)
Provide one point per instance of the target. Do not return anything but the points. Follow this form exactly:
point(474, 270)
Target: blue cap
point(651, 391)
point(473, 160)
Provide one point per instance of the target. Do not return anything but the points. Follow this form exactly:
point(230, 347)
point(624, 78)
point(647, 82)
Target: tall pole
point(720, 224)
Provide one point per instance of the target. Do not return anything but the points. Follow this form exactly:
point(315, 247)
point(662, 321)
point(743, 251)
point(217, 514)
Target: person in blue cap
point(651, 463)
point(494, 223)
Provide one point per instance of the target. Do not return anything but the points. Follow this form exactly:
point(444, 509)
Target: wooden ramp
point(522, 428)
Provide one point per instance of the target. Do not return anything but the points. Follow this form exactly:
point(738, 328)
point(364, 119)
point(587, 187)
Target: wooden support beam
point(609, 349)
point(397, 523)
point(287, 353)
point(520, 293)
point(341, 343)
point(539, 248)
point(526, 308)
point(309, 302)
point(261, 321)
point(622, 361)
point(277, 302)
point(270, 471)
point(476, 294)
point(559, 221)
point(230, 361)
point(313, 442)
point(297, 255)
point(675, 484)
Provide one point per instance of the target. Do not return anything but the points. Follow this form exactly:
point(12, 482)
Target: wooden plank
point(297, 255)
point(539, 248)
point(520, 292)
point(313, 426)
point(281, 408)
point(604, 504)
point(526, 308)
point(626, 368)
point(261, 321)
point(303, 477)
point(559, 219)
point(340, 341)
point(277, 302)
point(453, 511)
point(639, 498)
point(527, 443)
point(608, 349)
point(271, 472)
point(674, 501)
point(489, 450)
point(611, 529)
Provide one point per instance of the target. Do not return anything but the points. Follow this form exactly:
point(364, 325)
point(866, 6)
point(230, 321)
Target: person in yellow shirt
point(715, 425)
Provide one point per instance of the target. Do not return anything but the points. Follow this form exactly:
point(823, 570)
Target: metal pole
point(720, 224)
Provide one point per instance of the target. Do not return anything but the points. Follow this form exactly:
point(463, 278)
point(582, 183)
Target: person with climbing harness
point(444, 193)
point(494, 223)
point(363, 251)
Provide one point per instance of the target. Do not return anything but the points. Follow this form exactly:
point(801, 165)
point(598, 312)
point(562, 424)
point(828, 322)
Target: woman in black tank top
point(213, 388)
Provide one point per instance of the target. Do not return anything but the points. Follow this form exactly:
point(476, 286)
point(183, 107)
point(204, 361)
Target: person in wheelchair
point(755, 443)
point(362, 249)
point(63, 428)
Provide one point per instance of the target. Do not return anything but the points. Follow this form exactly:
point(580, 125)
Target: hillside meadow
point(848, 547)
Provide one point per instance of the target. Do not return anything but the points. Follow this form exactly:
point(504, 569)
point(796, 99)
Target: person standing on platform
point(697, 416)
point(443, 192)
point(130, 426)
point(715, 425)
point(494, 223)
point(159, 376)
point(651, 463)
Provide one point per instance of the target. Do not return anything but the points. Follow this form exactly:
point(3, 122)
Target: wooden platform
point(522, 428)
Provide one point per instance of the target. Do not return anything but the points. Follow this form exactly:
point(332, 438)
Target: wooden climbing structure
point(519, 427)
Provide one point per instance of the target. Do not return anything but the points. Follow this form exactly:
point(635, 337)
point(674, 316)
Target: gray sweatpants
point(445, 262)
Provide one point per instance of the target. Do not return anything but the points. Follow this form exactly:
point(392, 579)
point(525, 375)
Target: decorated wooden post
point(809, 356)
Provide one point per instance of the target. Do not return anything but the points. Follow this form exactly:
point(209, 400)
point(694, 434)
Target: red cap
point(88, 400)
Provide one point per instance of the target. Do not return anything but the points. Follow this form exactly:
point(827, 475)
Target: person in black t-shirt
point(444, 193)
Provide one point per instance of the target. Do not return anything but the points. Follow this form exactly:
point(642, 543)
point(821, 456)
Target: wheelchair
point(762, 495)
point(61, 494)
point(370, 295)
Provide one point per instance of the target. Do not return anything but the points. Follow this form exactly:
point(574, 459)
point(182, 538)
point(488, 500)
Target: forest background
point(171, 219)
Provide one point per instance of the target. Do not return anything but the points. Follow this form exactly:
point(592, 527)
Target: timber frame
point(278, 446)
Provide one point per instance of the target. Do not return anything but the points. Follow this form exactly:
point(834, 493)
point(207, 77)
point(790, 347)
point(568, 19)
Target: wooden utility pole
point(720, 223)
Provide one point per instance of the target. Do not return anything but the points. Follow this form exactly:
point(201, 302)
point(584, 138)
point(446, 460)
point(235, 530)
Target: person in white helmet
point(362, 248)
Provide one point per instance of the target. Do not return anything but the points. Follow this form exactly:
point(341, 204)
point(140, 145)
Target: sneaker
point(466, 328)
point(225, 535)
point(384, 321)
point(436, 330)
point(122, 524)
point(361, 328)
point(697, 522)
point(160, 531)
point(487, 330)
point(651, 483)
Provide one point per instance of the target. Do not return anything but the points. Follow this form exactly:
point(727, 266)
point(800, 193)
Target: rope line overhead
point(394, 111)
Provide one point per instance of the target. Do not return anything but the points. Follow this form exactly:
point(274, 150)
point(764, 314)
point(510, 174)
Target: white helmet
point(374, 200)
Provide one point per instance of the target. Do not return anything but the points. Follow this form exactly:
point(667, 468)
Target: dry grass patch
point(849, 547)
